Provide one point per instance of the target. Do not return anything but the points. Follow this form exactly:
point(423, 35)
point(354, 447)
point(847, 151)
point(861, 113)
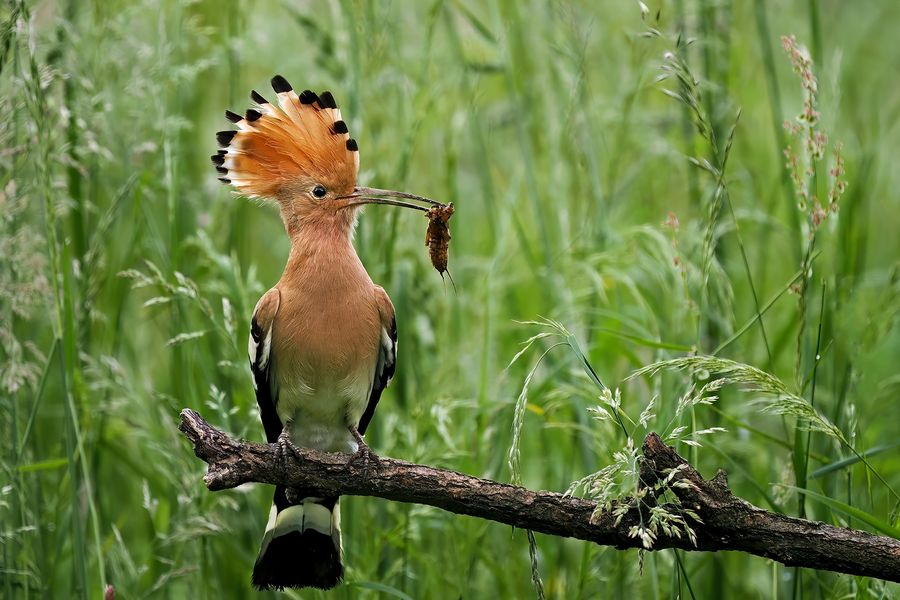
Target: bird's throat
point(322, 246)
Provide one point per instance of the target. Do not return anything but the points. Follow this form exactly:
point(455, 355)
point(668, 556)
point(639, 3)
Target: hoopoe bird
point(323, 340)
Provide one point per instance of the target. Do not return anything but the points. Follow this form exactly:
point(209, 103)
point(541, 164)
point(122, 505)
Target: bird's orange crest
point(274, 147)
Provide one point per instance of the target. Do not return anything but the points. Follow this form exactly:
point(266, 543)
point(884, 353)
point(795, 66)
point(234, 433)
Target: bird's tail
point(301, 546)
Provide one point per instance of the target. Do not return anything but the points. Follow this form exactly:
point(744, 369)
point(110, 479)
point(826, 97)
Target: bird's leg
point(286, 446)
point(363, 452)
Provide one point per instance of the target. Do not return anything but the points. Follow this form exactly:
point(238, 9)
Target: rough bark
point(728, 522)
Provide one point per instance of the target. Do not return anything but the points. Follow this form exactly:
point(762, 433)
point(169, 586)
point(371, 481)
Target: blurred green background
point(128, 275)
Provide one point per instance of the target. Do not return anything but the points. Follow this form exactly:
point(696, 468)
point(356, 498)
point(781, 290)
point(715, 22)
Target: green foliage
point(583, 192)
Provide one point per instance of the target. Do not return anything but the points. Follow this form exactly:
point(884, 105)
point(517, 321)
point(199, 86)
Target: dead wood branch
point(728, 522)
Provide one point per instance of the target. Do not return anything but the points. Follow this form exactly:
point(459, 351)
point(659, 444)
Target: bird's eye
point(319, 191)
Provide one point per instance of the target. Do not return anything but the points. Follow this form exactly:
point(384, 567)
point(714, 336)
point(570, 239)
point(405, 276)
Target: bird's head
point(299, 153)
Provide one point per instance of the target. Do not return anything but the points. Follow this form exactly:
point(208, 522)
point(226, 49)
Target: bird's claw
point(286, 446)
point(363, 453)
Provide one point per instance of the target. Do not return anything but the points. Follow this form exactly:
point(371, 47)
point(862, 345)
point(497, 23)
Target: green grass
point(128, 274)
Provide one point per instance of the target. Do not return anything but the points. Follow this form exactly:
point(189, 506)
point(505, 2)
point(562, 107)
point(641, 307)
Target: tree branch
point(728, 522)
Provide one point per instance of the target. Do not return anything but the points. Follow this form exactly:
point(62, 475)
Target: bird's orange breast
point(328, 328)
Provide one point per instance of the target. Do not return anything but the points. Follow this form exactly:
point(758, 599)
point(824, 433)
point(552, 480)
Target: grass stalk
point(805, 448)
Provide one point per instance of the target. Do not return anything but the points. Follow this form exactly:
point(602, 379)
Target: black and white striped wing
point(384, 369)
point(259, 351)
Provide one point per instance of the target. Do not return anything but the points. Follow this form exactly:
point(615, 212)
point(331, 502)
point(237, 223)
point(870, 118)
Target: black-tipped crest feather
point(256, 97)
point(280, 84)
point(224, 137)
point(326, 100)
point(308, 97)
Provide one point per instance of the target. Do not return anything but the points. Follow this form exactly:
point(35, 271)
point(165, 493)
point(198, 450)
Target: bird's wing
point(259, 350)
point(387, 355)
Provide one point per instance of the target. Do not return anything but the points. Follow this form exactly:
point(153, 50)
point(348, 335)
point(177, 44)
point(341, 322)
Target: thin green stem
point(758, 314)
point(683, 571)
point(812, 401)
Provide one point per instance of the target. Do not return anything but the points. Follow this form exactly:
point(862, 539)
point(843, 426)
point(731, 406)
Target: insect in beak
point(437, 236)
point(367, 195)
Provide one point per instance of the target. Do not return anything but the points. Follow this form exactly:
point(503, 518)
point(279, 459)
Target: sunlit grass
point(128, 274)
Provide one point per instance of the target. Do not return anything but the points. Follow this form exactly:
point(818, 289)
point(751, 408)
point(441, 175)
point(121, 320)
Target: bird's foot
point(363, 453)
point(286, 447)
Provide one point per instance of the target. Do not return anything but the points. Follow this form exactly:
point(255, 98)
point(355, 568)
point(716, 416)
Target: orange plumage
point(303, 138)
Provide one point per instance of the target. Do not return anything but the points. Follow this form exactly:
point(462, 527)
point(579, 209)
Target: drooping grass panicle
point(513, 456)
point(775, 397)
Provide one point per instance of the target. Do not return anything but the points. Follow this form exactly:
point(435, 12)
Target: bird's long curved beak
point(367, 195)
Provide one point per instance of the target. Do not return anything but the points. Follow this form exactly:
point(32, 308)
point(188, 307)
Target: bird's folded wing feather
point(259, 351)
point(387, 355)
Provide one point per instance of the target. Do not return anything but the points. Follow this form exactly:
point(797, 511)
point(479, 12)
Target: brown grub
point(437, 236)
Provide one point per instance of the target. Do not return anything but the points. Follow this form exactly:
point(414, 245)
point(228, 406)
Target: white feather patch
point(251, 349)
point(316, 516)
point(336, 528)
point(288, 520)
point(267, 346)
point(388, 347)
point(273, 514)
point(303, 516)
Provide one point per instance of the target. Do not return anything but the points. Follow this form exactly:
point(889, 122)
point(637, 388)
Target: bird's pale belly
point(320, 415)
